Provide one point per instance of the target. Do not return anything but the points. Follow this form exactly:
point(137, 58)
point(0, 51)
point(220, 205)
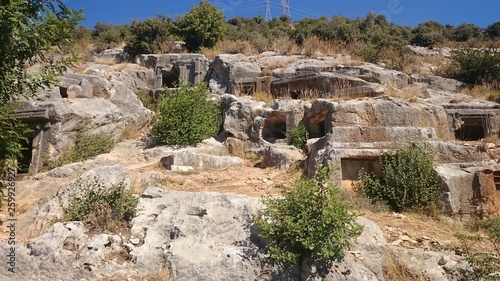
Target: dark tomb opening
point(316, 125)
point(24, 161)
point(63, 91)
point(170, 79)
point(350, 168)
point(275, 127)
point(248, 89)
point(471, 130)
point(296, 95)
point(496, 179)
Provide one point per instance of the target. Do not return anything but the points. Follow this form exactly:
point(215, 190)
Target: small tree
point(493, 30)
point(409, 180)
point(298, 136)
point(308, 222)
point(28, 31)
point(477, 66)
point(428, 34)
point(186, 116)
point(146, 37)
point(203, 26)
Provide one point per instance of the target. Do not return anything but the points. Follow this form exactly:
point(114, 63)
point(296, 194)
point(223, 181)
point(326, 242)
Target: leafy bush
point(147, 37)
point(308, 222)
point(86, 146)
point(485, 265)
point(298, 136)
point(409, 180)
point(108, 36)
point(476, 66)
point(493, 30)
point(428, 34)
point(101, 207)
point(202, 26)
point(186, 116)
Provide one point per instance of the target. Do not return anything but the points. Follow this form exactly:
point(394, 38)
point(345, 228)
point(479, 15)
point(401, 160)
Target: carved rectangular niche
point(350, 168)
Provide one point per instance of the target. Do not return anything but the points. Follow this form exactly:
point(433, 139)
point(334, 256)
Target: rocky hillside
point(194, 219)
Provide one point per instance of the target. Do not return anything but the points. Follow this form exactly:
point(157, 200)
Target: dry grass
point(83, 49)
point(168, 181)
point(131, 132)
point(121, 66)
point(411, 93)
point(315, 47)
point(285, 46)
point(484, 92)
point(160, 274)
point(105, 61)
point(263, 96)
point(230, 47)
point(398, 271)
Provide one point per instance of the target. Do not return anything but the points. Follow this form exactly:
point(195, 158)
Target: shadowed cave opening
point(472, 129)
point(275, 127)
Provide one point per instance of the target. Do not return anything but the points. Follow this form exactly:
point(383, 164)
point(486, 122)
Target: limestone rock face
point(281, 157)
point(376, 74)
point(197, 236)
point(470, 188)
point(227, 70)
point(48, 210)
point(102, 99)
point(185, 161)
point(239, 117)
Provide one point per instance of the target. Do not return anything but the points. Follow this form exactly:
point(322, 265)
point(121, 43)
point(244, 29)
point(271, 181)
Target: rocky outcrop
point(280, 157)
point(50, 209)
point(376, 74)
point(188, 161)
point(200, 236)
point(102, 99)
point(471, 188)
point(227, 70)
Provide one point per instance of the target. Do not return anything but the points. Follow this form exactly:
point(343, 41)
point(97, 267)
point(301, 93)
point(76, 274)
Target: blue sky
point(402, 12)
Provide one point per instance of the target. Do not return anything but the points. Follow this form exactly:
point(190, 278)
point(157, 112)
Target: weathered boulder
point(239, 117)
point(438, 83)
point(470, 189)
point(323, 85)
point(50, 209)
point(187, 160)
point(227, 70)
point(376, 74)
point(280, 156)
point(202, 236)
point(113, 55)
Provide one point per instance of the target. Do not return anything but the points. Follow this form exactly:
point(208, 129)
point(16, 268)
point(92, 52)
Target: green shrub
point(202, 26)
point(485, 265)
point(476, 66)
point(308, 223)
point(298, 136)
point(107, 36)
point(186, 116)
point(146, 99)
point(147, 37)
point(409, 180)
point(101, 207)
point(86, 146)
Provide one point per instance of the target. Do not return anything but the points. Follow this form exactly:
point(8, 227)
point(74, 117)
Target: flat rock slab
point(186, 161)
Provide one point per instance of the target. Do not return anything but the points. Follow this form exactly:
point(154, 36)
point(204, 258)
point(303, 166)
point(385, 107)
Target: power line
point(286, 8)
point(268, 10)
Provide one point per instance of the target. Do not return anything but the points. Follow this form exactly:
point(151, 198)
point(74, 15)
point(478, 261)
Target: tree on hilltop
point(203, 26)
